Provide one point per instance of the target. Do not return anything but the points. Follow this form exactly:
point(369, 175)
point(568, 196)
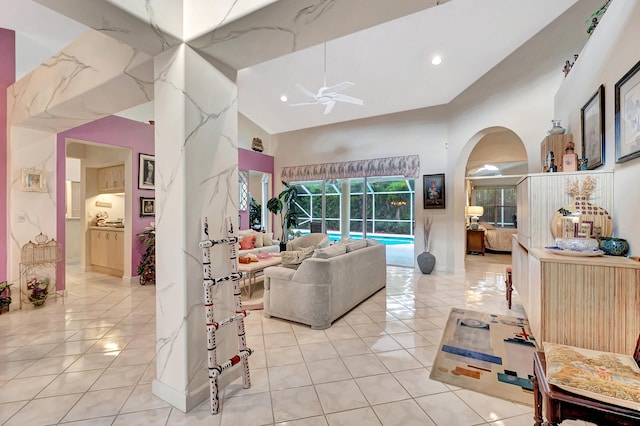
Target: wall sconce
point(474, 212)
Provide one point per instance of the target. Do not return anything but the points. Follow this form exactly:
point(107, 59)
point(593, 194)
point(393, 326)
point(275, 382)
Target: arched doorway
point(497, 160)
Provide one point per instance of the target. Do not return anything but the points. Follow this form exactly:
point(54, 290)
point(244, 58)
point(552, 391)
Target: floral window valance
point(408, 166)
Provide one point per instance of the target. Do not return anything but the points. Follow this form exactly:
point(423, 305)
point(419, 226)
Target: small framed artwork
point(592, 123)
point(146, 171)
point(627, 103)
point(147, 206)
point(434, 191)
point(34, 180)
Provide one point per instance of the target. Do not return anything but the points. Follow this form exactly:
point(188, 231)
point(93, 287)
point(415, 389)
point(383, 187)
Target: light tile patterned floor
point(91, 360)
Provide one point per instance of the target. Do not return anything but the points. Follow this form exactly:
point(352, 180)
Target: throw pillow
point(258, 236)
point(267, 239)
point(358, 244)
point(246, 243)
point(331, 251)
point(292, 259)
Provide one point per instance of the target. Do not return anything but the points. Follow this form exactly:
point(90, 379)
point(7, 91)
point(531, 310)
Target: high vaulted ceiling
point(383, 48)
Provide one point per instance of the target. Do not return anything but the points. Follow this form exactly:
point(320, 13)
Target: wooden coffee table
point(251, 270)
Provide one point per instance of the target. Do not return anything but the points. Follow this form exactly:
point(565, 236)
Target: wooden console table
point(556, 405)
point(588, 302)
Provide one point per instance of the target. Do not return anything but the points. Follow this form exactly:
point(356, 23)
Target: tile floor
point(91, 360)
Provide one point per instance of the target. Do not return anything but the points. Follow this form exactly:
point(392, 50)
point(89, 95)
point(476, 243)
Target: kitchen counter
point(108, 228)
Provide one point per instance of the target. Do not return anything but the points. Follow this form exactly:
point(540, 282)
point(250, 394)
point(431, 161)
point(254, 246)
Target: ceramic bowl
point(614, 246)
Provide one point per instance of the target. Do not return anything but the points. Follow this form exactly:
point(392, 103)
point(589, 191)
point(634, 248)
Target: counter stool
point(509, 282)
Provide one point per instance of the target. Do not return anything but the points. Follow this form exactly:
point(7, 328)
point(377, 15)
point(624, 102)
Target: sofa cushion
point(267, 239)
point(292, 259)
point(372, 242)
point(358, 244)
point(259, 238)
point(331, 251)
point(247, 242)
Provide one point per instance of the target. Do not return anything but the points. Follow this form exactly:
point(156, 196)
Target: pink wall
point(7, 78)
point(115, 131)
point(252, 160)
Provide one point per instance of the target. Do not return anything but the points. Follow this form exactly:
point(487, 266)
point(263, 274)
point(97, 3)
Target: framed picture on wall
point(147, 206)
point(34, 180)
point(434, 191)
point(146, 171)
point(592, 124)
point(627, 118)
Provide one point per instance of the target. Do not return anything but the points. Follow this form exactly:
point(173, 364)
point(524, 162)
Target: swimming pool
point(390, 240)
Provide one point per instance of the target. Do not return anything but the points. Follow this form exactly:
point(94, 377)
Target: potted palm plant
point(426, 260)
point(283, 205)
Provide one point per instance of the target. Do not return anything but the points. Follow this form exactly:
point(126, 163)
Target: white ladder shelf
point(215, 369)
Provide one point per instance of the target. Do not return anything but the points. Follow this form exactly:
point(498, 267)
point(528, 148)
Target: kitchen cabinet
point(107, 251)
point(111, 179)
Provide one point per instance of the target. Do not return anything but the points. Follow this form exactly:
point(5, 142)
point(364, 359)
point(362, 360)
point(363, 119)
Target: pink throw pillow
point(247, 242)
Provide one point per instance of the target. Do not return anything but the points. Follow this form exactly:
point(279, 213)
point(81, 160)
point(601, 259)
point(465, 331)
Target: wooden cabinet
point(540, 195)
point(589, 302)
point(557, 145)
point(107, 251)
point(475, 241)
point(111, 179)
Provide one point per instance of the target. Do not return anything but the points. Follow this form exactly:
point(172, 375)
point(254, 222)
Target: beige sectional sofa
point(327, 285)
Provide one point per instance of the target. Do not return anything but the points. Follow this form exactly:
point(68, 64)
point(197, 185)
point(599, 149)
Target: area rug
point(490, 354)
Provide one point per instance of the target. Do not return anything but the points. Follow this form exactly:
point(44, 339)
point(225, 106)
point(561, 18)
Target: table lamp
point(474, 212)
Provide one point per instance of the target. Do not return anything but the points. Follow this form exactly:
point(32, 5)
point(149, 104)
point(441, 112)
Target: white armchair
point(309, 240)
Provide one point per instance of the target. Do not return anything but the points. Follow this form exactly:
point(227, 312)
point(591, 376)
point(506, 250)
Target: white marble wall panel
point(146, 35)
point(91, 78)
point(166, 15)
point(287, 26)
point(196, 175)
point(202, 16)
point(30, 212)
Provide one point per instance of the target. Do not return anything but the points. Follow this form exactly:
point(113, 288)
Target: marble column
point(196, 175)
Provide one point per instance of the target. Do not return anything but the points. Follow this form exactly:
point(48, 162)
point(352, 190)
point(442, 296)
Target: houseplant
point(426, 260)
point(147, 265)
point(5, 296)
point(284, 206)
point(38, 290)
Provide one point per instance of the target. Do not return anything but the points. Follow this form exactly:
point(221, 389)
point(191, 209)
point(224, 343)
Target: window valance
point(408, 166)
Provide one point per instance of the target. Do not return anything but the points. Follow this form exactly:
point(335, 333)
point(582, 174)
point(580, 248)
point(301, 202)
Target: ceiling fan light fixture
point(436, 60)
point(327, 96)
point(284, 98)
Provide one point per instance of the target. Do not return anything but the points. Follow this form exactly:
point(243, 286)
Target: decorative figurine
point(594, 24)
point(566, 68)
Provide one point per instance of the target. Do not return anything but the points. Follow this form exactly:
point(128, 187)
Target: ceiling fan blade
point(329, 107)
point(338, 87)
point(350, 99)
point(306, 91)
point(304, 103)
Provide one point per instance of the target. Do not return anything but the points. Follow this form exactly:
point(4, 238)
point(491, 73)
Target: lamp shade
point(474, 210)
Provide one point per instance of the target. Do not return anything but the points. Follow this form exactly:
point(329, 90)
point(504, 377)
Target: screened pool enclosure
point(377, 207)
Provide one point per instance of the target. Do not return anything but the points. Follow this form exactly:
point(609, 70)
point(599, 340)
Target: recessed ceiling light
point(284, 98)
point(437, 60)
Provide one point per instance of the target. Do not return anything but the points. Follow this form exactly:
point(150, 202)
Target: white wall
point(611, 51)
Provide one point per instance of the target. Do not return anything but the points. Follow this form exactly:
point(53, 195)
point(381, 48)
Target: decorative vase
point(573, 219)
point(583, 163)
point(557, 129)
point(614, 246)
point(426, 262)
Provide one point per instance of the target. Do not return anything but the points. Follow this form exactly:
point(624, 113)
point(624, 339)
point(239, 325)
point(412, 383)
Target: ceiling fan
point(328, 96)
